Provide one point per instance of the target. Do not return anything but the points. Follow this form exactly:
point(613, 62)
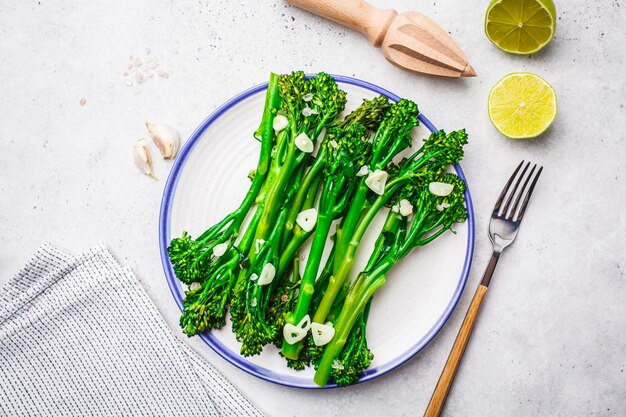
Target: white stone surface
point(551, 337)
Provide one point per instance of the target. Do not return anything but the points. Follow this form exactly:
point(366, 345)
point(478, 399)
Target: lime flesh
point(522, 105)
point(520, 26)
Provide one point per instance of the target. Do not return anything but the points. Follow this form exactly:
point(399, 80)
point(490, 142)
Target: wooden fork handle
point(355, 14)
point(454, 359)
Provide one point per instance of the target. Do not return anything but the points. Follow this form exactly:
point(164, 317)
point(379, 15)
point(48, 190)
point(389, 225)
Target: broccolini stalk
point(369, 114)
point(252, 323)
point(346, 149)
point(438, 151)
point(391, 138)
point(190, 258)
point(308, 118)
point(434, 215)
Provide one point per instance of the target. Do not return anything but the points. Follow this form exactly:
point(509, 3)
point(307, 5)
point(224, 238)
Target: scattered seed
point(163, 74)
point(139, 78)
point(82, 101)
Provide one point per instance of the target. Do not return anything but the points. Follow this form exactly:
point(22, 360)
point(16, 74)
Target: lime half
point(520, 26)
point(522, 105)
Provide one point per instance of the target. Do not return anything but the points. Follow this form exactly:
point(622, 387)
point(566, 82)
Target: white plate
point(209, 179)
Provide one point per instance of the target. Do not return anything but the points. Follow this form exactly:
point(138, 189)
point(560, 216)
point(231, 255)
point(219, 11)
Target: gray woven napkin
point(79, 336)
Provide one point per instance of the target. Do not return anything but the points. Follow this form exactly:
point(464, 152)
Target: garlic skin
point(165, 138)
point(141, 155)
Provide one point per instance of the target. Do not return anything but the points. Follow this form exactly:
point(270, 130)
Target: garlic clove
point(194, 286)
point(363, 171)
point(307, 97)
point(220, 249)
point(440, 189)
point(304, 143)
point(142, 158)
point(442, 206)
point(165, 138)
point(322, 333)
point(267, 274)
point(280, 123)
point(406, 208)
point(307, 219)
point(376, 181)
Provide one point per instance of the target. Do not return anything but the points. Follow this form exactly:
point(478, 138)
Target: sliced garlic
point(322, 333)
point(258, 244)
point(406, 208)
point(165, 138)
point(440, 189)
point(306, 112)
point(376, 181)
point(194, 286)
point(307, 97)
point(363, 171)
point(442, 206)
point(220, 249)
point(254, 277)
point(280, 123)
point(333, 143)
point(307, 219)
point(142, 158)
point(395, 208)
point(294, 334)
point(267, 275)
point(253, 302)
point(304, 143)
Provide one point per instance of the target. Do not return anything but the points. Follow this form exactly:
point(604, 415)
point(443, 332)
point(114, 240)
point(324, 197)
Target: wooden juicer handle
point(355, 14)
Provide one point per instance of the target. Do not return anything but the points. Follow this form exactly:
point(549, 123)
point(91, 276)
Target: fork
point(503, 227)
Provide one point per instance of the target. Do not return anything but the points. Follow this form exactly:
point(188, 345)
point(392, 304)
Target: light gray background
point(551, 337)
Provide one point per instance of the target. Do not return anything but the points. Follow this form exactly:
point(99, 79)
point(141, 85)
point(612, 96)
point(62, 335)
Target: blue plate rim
point(233, 357)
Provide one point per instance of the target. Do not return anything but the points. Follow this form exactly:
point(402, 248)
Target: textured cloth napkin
point(79, 336)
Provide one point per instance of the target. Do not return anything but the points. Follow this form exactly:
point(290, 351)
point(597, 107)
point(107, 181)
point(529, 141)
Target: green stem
point(353, 308)
point(306, 292)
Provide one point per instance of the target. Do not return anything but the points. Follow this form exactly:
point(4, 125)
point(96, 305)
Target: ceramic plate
point(209, 179)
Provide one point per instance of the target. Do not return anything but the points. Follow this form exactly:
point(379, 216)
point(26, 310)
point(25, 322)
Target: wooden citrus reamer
point(409, 40)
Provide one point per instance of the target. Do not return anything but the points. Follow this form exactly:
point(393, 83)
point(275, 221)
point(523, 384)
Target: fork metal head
point(511, 205)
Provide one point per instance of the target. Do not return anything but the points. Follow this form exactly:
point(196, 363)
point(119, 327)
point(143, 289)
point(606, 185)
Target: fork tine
point(505, 210)
point(506, 188)
point(522, 190)
point(528, 194)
